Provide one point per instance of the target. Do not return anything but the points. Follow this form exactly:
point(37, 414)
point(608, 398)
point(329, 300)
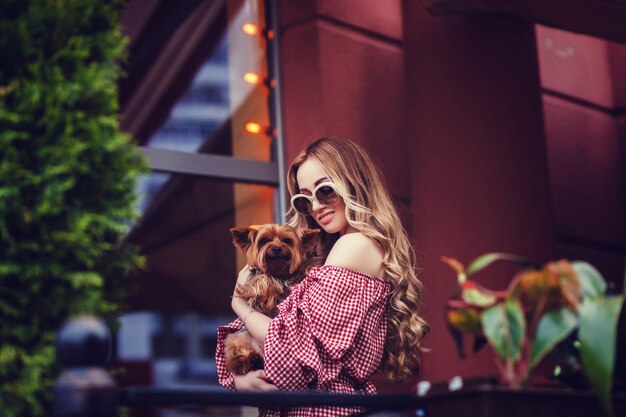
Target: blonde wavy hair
point(369, 210)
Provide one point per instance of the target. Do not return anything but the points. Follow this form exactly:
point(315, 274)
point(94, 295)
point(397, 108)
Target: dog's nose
point(275, 250)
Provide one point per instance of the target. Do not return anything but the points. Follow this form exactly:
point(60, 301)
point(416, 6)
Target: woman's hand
point(256, 322)
point(241, 307)
point(242, 278)
point(255, 381)
point(244, 275)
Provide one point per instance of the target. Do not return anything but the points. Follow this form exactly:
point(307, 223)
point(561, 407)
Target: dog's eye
point(287, 241)
point(264, 241)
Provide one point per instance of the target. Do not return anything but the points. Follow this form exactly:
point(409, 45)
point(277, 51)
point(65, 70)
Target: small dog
point(279, 256)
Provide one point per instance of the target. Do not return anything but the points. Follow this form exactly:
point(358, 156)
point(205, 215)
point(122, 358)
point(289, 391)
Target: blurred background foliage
point(67, 180)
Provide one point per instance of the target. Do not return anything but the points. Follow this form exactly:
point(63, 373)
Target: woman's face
point(331, 218)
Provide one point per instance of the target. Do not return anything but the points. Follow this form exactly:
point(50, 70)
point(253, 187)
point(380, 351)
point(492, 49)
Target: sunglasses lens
point(302, 205)
point(326, 195)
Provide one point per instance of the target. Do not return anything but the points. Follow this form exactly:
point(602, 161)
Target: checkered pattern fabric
point(329, 336)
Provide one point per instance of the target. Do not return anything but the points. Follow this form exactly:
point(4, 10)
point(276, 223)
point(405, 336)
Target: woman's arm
point(319, 326)
point(256, 323)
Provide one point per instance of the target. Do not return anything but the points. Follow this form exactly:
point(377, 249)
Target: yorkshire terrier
point(279, 256)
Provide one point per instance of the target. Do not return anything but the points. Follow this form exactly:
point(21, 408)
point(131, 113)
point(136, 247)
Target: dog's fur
point(279, 256)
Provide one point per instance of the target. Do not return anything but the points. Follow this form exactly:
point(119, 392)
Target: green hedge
point(67, 178)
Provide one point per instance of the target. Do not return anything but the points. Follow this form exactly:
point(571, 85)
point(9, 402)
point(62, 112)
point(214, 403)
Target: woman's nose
point(316, 205)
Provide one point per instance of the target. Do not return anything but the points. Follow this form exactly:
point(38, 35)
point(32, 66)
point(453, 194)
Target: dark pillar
point(479, 173)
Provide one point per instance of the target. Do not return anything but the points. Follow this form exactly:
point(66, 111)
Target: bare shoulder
point(357, 252)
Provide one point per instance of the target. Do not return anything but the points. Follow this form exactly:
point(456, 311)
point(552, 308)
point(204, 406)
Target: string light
point(251, 78)
point(253, 30)
point(256, 79)
point(250, 29)
point(253, 127)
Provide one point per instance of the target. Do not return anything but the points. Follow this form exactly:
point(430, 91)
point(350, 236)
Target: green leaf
point(67, 177)
point(457, 267)
point(553, 328)
point(591, 282)
point(474, 296)
point(85, 280)
point(504, 325)
point(485, 260)
point(598, 339)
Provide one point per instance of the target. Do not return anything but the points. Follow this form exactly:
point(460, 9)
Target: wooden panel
point(380, 18)
point(587, 158)
point(583, 67)
point(602, 18)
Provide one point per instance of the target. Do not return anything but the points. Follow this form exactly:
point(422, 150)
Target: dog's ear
point(242, 237)
point(310, 238)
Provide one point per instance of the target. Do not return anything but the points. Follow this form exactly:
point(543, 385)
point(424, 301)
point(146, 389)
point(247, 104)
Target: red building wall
point(584, 97)
point(452, 110)
point(343, 75)
point(479, 167)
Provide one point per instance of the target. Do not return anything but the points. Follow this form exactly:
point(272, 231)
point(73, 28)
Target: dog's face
point(277, 250)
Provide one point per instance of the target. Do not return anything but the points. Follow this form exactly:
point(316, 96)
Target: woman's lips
point(325, 218)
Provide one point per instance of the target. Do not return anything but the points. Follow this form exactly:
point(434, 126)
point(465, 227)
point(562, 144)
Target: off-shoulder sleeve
point(329, 324)
point(225, 378)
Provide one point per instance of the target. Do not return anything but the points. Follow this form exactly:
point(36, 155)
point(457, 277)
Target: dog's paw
point(240, 355)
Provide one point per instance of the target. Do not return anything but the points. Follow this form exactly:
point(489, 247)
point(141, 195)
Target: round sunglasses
point(325, 194)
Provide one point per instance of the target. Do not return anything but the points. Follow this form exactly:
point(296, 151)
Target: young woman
point(356, 314)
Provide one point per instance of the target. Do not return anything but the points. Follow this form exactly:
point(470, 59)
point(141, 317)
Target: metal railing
point(85, 388)
point(168, 397)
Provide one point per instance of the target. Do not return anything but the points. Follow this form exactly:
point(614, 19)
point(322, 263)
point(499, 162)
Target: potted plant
point(542, 306)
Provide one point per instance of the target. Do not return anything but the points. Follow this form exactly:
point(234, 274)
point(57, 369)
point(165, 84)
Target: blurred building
point(495, 134)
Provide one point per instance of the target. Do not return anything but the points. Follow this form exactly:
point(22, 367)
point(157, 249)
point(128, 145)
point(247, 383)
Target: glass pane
point(179, 348)
point(184, 291)
point(184, 234)
point(225, 110)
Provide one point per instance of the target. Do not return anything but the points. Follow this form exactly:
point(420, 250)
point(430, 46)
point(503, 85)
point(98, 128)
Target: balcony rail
point(168, 397)
point(85, 388)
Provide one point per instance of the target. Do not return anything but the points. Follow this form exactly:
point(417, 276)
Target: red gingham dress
point(329, 336)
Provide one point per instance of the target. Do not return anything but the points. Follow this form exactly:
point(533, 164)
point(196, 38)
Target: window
point(202, 101)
